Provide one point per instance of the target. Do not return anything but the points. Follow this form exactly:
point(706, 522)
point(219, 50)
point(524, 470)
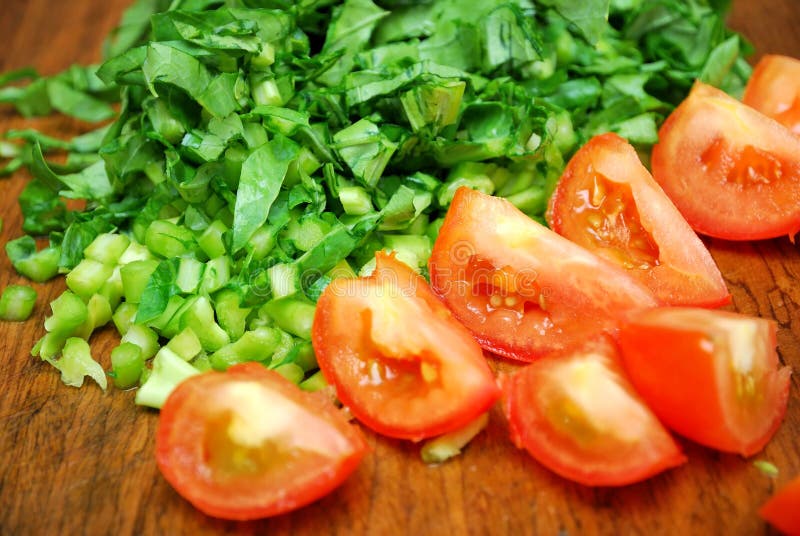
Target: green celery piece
point(444, 447)
point(38, 266)
point(77, 237)
point(173, 327)
point(135, 252)
point(69, 313)
point(216, 275)
point(200, 317)
point(365, 149)
point(281, 120)
point(256, 345)
point(306, 231)
point(262, 175)
point(99, 313)
point(168, 371)
point(292, 314)
point(433, 106)
point(124, 316)
point(186, 344)
point(414, 250)
point(291, 372)
point(160, 323)
point(284, 279)
point(107, 248)
point(135, 277)
point(127, 364)
point(212, 240)
point(17, 302)
point(355, 200)
point(232, 317)
point(143, 337)
point(190, 273)
point(76, 362)
point(169, 240)
point(315, 382)
point(88, 277)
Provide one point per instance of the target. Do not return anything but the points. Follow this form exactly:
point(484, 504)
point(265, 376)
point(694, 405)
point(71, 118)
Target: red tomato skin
point(674, 369)
point(180, 454)
point(468, 387)
point(530, 429)
point(686, 274)
point(774, 90)
point(782, 510)
point(712, 204)
point(585, 295)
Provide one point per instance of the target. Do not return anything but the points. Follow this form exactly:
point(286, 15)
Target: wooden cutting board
point(81, 461)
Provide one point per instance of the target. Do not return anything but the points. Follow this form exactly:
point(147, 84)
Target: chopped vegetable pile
point(263, 148)
point(250, 152)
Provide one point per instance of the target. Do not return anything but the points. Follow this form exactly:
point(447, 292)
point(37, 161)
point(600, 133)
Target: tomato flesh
point(521, 289)
point(578, 416)
point(782, 510)
point(711, 376)
point(731, 171)
point(247, 443)
point(399, 360)
point(774, 90)
point(607, 202)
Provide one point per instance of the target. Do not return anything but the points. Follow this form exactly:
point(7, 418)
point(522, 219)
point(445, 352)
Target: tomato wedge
point(399, 360)
point(782, 510)
point(607, 202)
point(733, 172)
point(520, 288)
point(774, 90)
point(711, 376)
point(247, 443)
point(578, 416)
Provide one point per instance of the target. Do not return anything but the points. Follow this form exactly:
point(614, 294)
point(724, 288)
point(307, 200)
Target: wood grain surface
point(81, 461)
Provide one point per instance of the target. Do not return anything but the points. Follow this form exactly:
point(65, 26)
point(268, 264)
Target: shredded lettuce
point(261, 148)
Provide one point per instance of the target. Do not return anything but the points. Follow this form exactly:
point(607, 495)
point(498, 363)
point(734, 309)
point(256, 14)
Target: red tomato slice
point(578, 416)
point(399, 360)
point(607, 202)
point(774, 90)
point(782, 510)
point(247, 443)
point(522, 289)
point(733, 172)
point(711, 376)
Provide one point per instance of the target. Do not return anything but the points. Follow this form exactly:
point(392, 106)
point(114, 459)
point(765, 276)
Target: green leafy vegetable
point(261, 149)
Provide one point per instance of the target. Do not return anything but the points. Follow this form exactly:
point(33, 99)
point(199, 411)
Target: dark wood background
point(81, 461)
